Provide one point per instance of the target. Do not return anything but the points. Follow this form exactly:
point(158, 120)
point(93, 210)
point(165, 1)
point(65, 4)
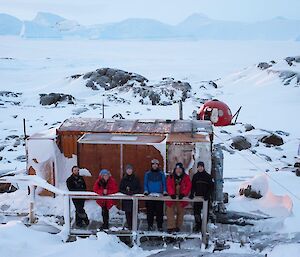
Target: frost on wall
point(46, 161)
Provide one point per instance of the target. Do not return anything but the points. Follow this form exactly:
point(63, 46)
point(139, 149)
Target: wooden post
point(180, 110)
point(31, 204)
point(135, 221)
point(103, 109)
point(67, 225)
point(204, 223)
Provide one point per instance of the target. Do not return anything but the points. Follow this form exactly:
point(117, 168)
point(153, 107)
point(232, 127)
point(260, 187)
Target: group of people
point(176, 185)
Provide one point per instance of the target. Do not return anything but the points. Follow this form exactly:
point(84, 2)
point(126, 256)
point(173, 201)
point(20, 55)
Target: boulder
point(154, 97)
point(264, 65)
point(272, 140)
point(240, 143)
point(55, 98)
point(250, 193)
point(212, 83)
point(9, 94)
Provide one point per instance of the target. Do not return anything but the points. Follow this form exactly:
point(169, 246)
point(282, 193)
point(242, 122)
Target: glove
point(173, 196)
point(165, 194)
point(146, 193)
point(180, 196)
point(191, 197)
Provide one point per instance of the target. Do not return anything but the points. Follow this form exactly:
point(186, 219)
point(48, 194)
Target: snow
point(44, 66)
point(283, 250)
point(35, 243)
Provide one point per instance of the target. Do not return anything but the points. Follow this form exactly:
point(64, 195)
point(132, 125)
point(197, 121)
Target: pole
point(67, 225)
point(204, 223)
point(103, 109)
point(180, 110)
point(31, 204)
point(135, 221)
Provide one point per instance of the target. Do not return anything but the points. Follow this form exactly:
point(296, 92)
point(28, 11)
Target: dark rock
point(248, 127)
point(88, 75)
point(240, 143)
point(248, 192)
point(154, 97)
point(272, 140)
point(110, 72)
point(21, 158)
point(118, 116)
point(268, 158)
point(212, 83)
point(1, 158)
point(290, 60)
point(2, 147)
point(102, 71)
point(11, 137)
point(17, 142)
point(75, 76)
point(55, 98)
point(9, 94)
point(282, 133)
point(264, 65)
point(91, 85)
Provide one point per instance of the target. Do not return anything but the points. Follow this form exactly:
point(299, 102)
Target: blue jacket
point(155, 182)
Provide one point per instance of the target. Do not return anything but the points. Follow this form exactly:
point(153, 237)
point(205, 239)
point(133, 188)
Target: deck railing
point(69, 195)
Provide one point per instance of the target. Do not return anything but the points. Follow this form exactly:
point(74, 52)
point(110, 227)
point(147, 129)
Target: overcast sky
point(169, 11)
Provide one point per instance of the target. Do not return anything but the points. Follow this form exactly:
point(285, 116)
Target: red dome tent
point(216, 111)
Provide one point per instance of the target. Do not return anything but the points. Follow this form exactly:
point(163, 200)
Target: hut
point(94, 144)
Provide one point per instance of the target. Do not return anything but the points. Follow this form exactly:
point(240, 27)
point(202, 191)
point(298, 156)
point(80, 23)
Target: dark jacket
point(129, 185)
point(76, 183)
point(155, 182)
point(202, 185)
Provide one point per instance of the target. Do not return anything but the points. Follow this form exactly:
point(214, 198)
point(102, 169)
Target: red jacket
point(111, 187)
point(185, 188)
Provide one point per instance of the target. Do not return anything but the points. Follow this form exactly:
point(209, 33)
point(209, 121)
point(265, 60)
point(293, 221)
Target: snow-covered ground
point(32, 67)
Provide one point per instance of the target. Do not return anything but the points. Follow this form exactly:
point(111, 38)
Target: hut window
point(123, 138)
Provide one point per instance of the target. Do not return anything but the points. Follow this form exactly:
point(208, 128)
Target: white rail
point(34, 181)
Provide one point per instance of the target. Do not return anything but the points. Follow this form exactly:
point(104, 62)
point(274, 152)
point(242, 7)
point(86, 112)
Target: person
point(76, 183)
point(129, 185)
point(202, 185)
point(105, 185)
point(178, 185)
point(155, 183)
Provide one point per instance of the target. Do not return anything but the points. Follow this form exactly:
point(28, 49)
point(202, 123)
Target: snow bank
point(33, 243)
point(269, 204)
point(292, 250)
point(259, 184)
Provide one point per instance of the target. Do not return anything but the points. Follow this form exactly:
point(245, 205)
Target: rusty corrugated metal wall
point(95, 157)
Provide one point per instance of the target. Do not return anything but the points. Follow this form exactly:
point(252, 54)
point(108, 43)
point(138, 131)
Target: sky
point(170, 11)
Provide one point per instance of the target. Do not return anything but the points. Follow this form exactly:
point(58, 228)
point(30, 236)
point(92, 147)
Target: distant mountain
point(137, 28)
point(196, 26)
point(9, 25)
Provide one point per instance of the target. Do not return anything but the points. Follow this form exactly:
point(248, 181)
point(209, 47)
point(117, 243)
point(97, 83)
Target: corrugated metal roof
point(134, 126)
point(104, 138)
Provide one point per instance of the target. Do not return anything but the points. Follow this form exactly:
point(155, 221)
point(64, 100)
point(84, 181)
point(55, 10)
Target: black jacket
point(202, 184)
point(76, 183)
point(129, 185)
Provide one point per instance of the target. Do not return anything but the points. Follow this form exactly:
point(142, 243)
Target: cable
point(259, 169)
